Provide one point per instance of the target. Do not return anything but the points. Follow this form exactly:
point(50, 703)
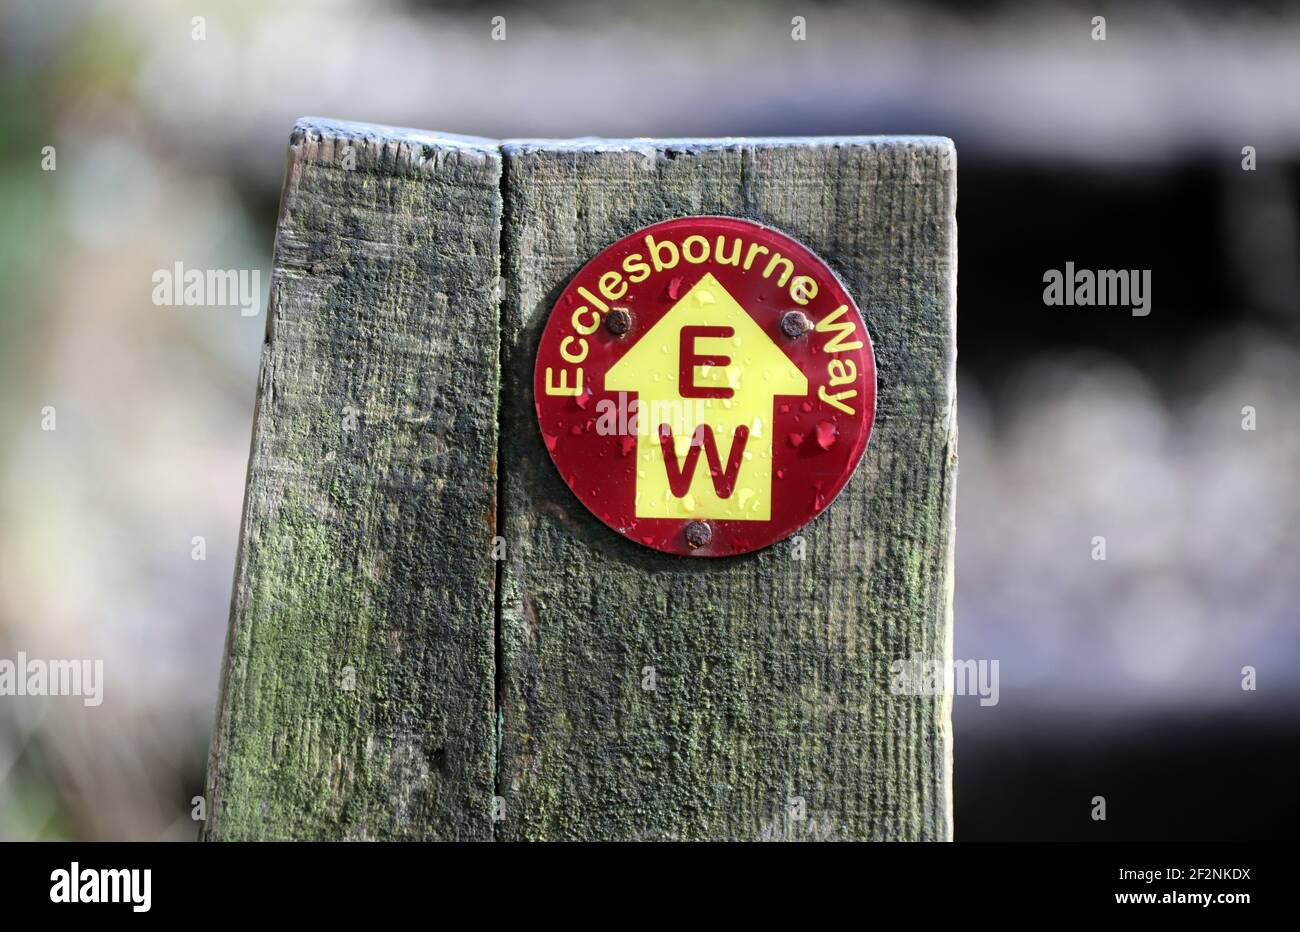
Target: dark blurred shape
point(1178, 776)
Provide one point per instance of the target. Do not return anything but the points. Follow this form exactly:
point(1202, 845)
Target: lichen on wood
point(385, 677)
point(357, 692)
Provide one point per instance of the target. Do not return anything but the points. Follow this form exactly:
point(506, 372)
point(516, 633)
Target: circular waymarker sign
point(705, 386)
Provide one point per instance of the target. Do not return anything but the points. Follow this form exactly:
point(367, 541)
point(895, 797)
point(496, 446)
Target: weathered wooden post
point(357, 692)
point(394, 672)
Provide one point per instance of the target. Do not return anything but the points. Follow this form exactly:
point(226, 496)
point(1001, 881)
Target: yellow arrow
point(705, 377)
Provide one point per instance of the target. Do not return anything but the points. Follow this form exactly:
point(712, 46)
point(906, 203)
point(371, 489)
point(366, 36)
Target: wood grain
point(361, 696)
point(357, 692)
point(772, 715)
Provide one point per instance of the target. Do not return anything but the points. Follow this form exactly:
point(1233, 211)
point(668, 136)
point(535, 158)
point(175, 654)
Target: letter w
point(680, 475)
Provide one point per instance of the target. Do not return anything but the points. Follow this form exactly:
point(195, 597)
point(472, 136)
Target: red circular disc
point(705, 386)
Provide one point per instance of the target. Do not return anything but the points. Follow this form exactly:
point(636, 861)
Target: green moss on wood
point(358, 690)
point(367, 546)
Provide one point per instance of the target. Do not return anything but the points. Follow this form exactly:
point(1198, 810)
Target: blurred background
point(1120, 678)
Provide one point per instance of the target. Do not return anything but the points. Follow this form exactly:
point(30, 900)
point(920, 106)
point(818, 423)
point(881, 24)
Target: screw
point(698, 533)
point(795, 324)
point(619, 321)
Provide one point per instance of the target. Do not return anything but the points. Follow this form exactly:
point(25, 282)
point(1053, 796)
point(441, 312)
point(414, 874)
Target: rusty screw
point(795, 324)
point(698, 533)
point(619, 321)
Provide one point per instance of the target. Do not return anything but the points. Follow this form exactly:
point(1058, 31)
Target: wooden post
point(771, 714)
point(357, 690)
point(638, 695)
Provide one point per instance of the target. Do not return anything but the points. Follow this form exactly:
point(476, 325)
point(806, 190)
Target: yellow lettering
point(686, 249)
point(637, 270)
point(563, 388)
point(735, 253)
point(785, 276)
point(654, 249)
point(565, 353)
point(803, 289)
point(835, 365)
point(843, 330)
point(593, 299)
point(754, 249)
point(610, 281)
point(821, 393)
point(578, 312)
